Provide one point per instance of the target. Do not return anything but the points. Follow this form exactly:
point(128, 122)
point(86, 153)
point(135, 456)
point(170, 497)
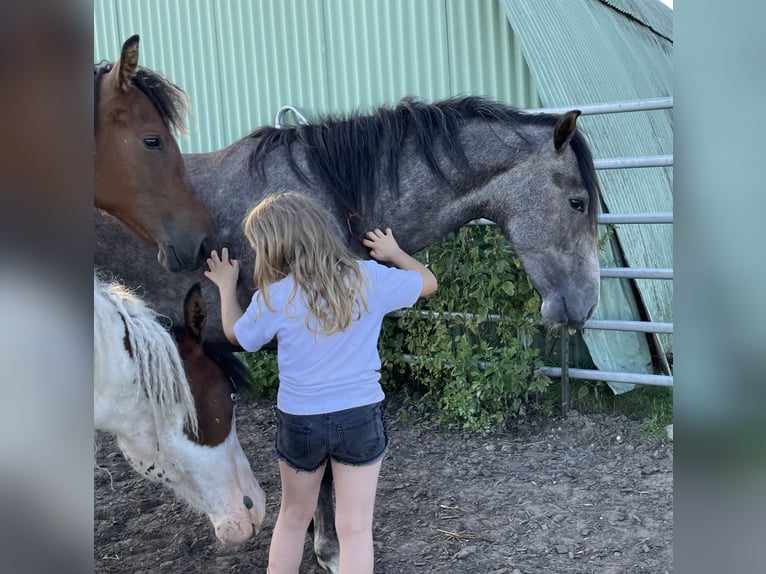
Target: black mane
point(230, 364)
point(379, 138)
point(232, 367)
point(170, 100)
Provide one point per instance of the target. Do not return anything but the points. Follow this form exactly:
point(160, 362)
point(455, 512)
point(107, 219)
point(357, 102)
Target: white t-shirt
point(319, 373)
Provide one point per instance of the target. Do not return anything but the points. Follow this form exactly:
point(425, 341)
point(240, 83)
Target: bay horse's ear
point(195, 312)
point(128, 65)
point(565, 129)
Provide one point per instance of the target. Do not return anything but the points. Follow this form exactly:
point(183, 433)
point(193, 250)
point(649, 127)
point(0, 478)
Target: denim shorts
point(355, 437)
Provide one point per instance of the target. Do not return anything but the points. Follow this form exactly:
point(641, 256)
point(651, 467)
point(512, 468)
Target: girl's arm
point(224, 272)
point(383, 247)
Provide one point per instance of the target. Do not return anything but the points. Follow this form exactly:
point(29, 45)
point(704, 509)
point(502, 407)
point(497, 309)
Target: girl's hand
point(222, 271)
point(382, 246)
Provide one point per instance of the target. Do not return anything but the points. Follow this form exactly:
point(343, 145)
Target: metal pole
point(564, 371)
point(640, 105)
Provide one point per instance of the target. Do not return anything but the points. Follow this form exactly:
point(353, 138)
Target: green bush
point(478, 367)
point(263, 367)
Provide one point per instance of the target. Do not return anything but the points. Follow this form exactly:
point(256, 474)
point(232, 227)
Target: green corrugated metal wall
point(241, 60)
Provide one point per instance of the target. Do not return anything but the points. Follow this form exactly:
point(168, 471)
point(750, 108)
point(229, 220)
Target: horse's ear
point(195, 312)
point(565, 129)
point(128, 65)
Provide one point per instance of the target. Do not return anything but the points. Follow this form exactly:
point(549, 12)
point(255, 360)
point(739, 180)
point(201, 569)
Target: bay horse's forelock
point(139, 174)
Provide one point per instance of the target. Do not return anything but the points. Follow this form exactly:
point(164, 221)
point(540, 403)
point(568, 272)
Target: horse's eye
point(153, 143)
point(577, 204)
point(234, 397)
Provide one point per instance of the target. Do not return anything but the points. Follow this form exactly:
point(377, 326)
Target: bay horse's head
point(139, 173)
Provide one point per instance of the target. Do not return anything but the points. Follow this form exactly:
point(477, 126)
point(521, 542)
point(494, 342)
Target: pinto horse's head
point(170, 399)
point(224, 485)
point(139, 173)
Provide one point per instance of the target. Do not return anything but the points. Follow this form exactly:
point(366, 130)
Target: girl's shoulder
point(371, 269)
point(376, 272)
point(278, 292)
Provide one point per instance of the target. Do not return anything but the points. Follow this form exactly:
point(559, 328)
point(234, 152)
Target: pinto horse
point(139, 174)
point(423, 169)
point(169, 398)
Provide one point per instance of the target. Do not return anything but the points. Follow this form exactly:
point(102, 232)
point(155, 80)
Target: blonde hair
point(292, 234)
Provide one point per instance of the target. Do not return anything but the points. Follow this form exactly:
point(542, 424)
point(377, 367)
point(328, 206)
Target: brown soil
point(584, 494)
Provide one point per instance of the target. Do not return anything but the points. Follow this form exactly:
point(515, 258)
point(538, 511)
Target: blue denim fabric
point(353, 436)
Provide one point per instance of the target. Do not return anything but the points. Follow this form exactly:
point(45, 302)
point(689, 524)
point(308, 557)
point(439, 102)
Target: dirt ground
point(583, 494)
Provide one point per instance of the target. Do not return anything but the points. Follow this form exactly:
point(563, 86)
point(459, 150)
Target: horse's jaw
point(570, 298)
point(556, 311)
point(215, 480)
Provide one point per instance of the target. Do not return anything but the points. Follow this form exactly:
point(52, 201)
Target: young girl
point(325, 308)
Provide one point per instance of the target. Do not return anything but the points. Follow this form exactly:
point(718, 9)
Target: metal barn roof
point(590, 51)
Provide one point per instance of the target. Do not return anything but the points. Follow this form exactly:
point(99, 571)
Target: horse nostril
point(248, 502)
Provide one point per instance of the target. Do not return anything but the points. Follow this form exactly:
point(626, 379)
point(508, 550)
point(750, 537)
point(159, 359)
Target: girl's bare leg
point(355, 488)
point(299, 499)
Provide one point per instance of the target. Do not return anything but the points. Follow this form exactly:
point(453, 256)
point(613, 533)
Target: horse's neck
point(226, 189)
point(143, 452)
point(426, 211)
point(132, 422)
point(420, 225)
point(117, 406)
point(146, 446)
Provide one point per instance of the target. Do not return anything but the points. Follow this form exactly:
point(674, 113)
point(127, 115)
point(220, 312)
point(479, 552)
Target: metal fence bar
point(640, 105)
point(658, 217)
point(590, 374)
point(441, 314)
point(612, 218)
point(632, 162)
point(634, 326)
point(604, 324)
point(564, 372)
point(611, 376)
point(636, 273)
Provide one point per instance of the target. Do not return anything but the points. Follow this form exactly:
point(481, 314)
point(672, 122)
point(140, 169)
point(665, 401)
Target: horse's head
point(139, 173)
point(224, 486)
point(171, 405)
point(552, 220)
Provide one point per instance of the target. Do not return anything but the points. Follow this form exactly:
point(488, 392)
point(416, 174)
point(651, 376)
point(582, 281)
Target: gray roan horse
point(421, 169)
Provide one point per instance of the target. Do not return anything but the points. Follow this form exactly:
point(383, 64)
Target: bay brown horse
point(139, 173)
